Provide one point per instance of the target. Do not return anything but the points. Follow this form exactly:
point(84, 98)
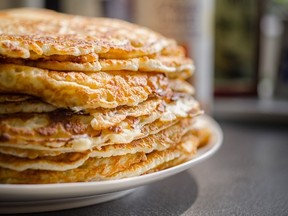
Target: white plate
point(51, 197)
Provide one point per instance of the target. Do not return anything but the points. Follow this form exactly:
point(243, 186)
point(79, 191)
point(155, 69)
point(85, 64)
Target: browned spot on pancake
point(116, 129)
point(47, 131)
point(75, 127)
point(4, 137)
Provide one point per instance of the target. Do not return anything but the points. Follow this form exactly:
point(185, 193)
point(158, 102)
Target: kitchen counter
point(247, 176)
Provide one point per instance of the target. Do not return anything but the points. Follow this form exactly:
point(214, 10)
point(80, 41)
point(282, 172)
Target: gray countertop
point(247, 176)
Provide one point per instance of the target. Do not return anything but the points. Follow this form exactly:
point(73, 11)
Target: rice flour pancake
point(95, 169)
point(160, 141)
point(79, 90)
point(34, 33)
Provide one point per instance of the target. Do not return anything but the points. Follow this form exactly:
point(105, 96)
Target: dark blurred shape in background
point(279, 9)
point(237, 24)
point(240, 47)
point(251, 60)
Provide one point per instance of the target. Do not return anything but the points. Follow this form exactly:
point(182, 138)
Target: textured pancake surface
point(80, 90)
point(65, 131)
point(31, 33)
point(91, 99)
point(15, 103)
point(160, 141)
point(95, 169)
point(174, 64)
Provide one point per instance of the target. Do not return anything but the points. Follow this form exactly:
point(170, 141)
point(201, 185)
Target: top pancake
point(35, 33)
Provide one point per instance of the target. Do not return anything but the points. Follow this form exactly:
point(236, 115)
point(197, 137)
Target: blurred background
point(240, 47)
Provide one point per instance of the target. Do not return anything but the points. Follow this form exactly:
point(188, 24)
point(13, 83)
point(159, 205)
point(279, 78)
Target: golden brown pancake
point(13, 103)
point(14, 98)
point(65, 161)
point(181, 86)
point(79, 90)
point(16, 103)
point(95, 169)
point(189, 152)
point(34, 33)
point(90, 99)
point(66, 131)
point(144, 144)
point(171, 65)
point(171, 61)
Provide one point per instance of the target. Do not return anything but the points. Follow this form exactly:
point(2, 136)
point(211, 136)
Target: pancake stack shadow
point(91, 99)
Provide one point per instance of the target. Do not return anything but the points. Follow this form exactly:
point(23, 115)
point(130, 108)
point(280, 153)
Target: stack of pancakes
point(89, 99)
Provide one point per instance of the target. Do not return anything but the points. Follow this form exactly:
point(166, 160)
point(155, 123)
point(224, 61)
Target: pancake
point(171, 61)
point(14, 98)
point(17, 103)
point(91, 99)
point(27, 106)
point(156, 159)
point(92, 169)
point(105, 118)
point(160, 141)
point(181, 86)
point(60, 137)
point(78, 91)
point(190, 151)
point(83, 143)
point(34, 33)
point(203, 133)
point(66, 131)
point(171, 65)
point(61, 162)
point(96, 169)
point(145, 144)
